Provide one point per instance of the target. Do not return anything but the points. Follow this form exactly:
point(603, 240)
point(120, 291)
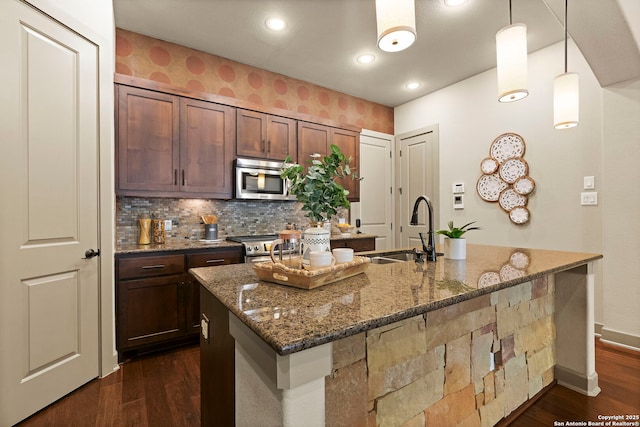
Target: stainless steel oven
point(260, 180)
point(256, 248)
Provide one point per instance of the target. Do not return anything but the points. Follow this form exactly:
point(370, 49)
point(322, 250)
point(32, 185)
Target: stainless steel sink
point(392, 256)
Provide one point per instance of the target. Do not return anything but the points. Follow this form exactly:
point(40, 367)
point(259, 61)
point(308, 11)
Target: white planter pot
point(455, 248)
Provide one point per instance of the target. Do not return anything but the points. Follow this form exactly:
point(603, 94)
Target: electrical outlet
point(167, 225)
point(204, 327)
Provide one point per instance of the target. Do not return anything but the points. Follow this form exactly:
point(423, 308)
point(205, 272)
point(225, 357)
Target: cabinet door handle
point(214, 261)
point(268, 146)
point(183, 180)
point(175, 177)
point(264, 145)
point(149, 267)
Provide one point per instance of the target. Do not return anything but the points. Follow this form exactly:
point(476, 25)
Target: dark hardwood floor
point(159, 390)
point(164, 390)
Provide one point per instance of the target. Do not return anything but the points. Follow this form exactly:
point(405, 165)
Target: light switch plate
point(168, 225)
point(589, 198)
point(589, 183)
point(458, 188)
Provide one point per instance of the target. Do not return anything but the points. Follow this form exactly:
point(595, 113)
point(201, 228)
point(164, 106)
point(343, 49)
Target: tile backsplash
point(235, 217)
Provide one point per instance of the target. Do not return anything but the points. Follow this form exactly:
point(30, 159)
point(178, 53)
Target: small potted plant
point(319, 192)
point(455, 246)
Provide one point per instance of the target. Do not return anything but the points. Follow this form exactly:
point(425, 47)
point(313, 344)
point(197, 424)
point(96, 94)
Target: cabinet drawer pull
point(148, 267)
point(214, 261)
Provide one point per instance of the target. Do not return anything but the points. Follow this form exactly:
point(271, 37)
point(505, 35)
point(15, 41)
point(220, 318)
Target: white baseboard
point(621, 339)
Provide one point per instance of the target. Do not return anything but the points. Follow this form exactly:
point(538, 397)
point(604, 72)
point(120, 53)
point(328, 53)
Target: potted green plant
point(317, 189)
point(455, 246)
point(319, 193)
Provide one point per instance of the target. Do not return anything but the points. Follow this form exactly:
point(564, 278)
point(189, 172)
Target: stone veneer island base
point(449, 343)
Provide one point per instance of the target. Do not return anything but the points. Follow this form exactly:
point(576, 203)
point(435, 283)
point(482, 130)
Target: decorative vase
point(455, 248)
point(316, 238)
point(145, 231)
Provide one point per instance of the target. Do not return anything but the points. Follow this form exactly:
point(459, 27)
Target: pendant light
point(511, 53)
point(396, 21)
point(566, 92)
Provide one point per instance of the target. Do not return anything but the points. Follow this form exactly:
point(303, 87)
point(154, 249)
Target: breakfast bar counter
point(406, 339)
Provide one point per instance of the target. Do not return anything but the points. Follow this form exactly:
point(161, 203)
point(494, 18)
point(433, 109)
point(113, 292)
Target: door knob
point(91, 254)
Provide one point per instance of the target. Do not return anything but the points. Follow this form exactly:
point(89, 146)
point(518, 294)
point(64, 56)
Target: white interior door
point(417, 154)
point(375, 208)
point(49, 211)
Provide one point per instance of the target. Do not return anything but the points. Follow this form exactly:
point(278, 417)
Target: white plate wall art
point(509, 199)
point(512, 169)
point(505, 177)
point(490, 187)
point(507, 145)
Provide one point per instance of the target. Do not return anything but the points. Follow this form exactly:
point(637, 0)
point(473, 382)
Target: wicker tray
point(310, 279)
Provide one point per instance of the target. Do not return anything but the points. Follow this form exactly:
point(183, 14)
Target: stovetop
point(255, 245)
point(253, 238)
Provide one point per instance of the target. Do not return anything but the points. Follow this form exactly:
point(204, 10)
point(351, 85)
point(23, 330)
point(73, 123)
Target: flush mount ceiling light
point(396, 20)
point(366, 58)
point(275, 24)
point(511, 53)
point(566, 92)
point(412, 85)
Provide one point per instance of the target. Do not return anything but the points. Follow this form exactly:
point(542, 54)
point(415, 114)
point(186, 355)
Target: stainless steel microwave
point(260, 180)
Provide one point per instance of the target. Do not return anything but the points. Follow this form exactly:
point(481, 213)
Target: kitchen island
point(464, 341)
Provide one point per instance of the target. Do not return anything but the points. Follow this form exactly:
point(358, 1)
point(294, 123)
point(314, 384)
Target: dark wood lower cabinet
point(158, 301)
point(358, 245)
point(217, 365)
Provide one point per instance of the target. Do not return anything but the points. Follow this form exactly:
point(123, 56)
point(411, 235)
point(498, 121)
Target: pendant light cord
point(510, 15)
point(566, 2)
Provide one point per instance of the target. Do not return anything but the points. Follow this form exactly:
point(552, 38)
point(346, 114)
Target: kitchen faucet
point(430, 248)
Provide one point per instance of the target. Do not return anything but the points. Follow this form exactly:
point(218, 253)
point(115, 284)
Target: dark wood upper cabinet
point(173, 146)
point(315, 138)
point(206, 154)
point(265, 136)
point(147, 149)
point(349, 143)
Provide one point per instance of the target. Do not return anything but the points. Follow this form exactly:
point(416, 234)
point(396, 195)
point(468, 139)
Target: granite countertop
point(173, 245)
point(353, 236)
point(291, 319)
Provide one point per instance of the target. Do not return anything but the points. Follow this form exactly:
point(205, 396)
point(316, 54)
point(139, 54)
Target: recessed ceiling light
point(454, 3)
point(412, 85)
point(275, 24)
point(366, 58)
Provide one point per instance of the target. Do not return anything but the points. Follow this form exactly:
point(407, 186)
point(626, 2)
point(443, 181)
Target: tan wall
point(436, 369)
point(149, 58)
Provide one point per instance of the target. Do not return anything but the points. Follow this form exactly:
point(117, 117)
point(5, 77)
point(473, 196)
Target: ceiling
point(323, 38)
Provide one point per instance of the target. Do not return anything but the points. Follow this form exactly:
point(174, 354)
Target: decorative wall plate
point(512, 169)
point(524, 185)
point(489, 165)
point(509, 199)
point(490, 186)
point(519, 215)
point(507, 145)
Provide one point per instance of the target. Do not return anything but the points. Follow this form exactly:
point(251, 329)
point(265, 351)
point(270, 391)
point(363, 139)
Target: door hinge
point(400, 190)
point(401, 229)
